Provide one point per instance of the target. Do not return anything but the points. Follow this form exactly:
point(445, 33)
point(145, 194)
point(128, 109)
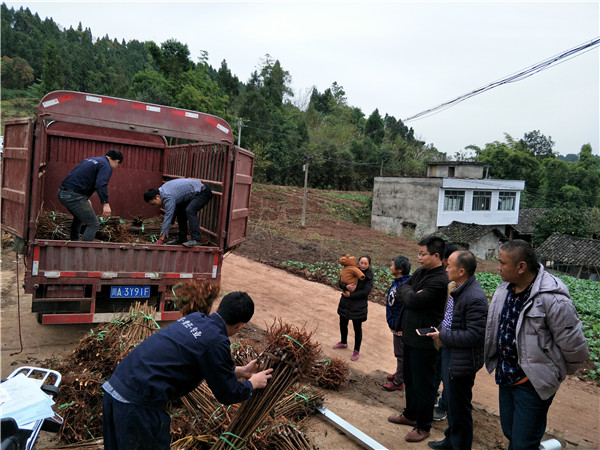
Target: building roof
point(527, 218)
point(567, 249)
point(455, 163)
point(467, 233)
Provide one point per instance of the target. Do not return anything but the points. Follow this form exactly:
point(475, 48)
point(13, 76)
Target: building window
point(454, 200)
point(451, 171)
point(507, 201)
point(482, 200)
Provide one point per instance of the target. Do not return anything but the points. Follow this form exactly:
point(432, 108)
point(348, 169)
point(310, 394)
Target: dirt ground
point(574, 415)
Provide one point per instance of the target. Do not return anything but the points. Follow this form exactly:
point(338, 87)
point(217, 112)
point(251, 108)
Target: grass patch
point(359, 215)
point(362, 198)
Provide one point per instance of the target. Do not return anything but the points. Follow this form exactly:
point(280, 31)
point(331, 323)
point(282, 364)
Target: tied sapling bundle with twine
point(291, 354)
point(212, 417)
point(298, 403)
point(279, 434)
point(287, 437)
point(243, 352)
point(195, 296)
point(330, 373)
point(92, 363)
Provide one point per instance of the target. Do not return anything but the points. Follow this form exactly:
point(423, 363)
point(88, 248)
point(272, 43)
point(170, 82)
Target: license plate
point(129, 291)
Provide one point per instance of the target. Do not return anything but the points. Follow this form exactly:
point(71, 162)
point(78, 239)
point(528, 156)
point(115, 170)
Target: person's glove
point(160, 242)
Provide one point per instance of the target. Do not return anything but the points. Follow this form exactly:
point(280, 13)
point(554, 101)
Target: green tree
point(198, 92)
point(150, 86)
point(537, 144)
point(556, 175)
point(16, 73)
point(374, 128)
point(52, 76)
point(272, 122)
point(586, 176)
point(229, 83)
point(574, 222)
point(171, 59)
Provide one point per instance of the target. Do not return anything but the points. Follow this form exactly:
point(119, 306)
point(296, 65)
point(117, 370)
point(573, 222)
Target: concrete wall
point(460, 170)
point(405, 206)
point(487, 247)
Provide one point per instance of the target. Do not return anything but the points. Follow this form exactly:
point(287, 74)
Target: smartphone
point(424, 331)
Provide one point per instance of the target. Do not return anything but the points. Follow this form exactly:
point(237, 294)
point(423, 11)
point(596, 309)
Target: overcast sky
point(399, 57)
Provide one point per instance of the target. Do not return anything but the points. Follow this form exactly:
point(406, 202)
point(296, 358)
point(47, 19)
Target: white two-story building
point(416, 207)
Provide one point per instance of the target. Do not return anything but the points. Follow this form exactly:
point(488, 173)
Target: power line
point(512, 78)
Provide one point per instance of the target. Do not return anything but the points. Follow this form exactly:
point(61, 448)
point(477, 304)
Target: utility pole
point(307, 159)
point(239, 131)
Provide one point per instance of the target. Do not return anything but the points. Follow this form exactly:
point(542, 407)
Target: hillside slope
point(336, 223)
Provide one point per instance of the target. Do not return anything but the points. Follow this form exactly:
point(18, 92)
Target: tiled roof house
point(578, 257)
point(526, 225)
point(483, 240)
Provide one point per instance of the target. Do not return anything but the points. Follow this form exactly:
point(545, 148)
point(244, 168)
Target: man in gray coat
point(533, 340)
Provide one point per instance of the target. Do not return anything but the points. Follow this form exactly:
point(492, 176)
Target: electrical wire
point(512, 78)
point(18, 310)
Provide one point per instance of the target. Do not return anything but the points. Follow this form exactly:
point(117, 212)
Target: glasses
point(423, 254)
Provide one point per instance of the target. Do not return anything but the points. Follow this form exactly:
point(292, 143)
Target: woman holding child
point(353, 306)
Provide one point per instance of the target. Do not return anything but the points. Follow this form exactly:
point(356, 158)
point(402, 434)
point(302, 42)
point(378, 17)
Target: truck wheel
point(39, 316)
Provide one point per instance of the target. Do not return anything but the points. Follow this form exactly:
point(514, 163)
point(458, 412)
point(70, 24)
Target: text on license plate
point(129, 291)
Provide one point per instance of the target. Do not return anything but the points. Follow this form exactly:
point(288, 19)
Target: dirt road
point(574, 415)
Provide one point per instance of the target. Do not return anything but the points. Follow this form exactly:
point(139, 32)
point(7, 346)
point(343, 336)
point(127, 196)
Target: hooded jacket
point(550, 343)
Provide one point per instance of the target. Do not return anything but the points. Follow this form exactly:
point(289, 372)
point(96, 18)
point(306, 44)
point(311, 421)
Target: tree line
point(344, 149)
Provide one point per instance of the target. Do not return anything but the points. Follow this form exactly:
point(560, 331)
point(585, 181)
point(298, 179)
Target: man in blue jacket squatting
point(171, 363)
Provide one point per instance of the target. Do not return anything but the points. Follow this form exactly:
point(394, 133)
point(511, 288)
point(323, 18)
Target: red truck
point(92, 282)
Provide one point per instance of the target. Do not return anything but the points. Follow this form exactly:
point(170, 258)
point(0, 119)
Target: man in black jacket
point(423, 296)
point(463, 335)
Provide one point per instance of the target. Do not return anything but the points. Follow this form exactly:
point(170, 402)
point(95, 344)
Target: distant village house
point(414, 207)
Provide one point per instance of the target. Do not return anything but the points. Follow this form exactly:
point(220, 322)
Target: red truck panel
point(16, 165)
point(91, 259)
point(129, 115)
point(240, 197)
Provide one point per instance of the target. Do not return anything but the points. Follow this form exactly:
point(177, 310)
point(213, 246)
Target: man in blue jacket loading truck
point(181, 198)
point(171, 363)
point(89, 176)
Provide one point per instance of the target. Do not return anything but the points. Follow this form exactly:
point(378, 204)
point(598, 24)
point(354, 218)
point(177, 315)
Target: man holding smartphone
point(463, 335)
point(423, 297)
